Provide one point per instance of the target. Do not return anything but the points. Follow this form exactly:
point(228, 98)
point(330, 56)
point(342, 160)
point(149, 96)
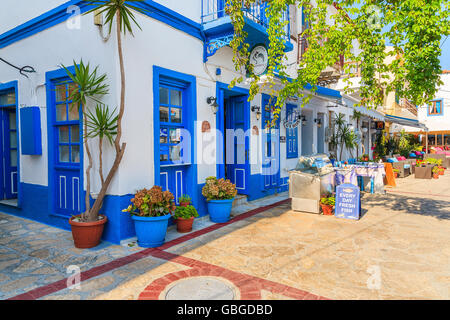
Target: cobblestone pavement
point(397, 250)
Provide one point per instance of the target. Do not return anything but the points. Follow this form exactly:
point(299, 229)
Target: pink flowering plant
point(218, 189)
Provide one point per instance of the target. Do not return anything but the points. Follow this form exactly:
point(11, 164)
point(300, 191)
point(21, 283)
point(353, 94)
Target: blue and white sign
point(348, 202)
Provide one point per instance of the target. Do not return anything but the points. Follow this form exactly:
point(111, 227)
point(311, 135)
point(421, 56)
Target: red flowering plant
point(151, 203)
point(218, 189)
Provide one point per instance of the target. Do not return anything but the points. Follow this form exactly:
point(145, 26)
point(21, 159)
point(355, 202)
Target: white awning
point(406, 122)
point(374, 114)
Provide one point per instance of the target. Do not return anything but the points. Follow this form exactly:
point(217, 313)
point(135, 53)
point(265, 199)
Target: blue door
point(174, 141)
point(271, 147)
point(8, 145)
point(236, 143)
point(65, 148)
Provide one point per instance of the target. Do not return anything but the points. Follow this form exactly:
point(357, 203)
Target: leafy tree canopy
point(413, 27)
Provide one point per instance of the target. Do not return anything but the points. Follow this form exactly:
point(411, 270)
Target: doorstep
point(204, 221)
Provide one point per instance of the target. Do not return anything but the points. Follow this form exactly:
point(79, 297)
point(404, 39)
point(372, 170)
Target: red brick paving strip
point(156, 252)
point(249, 286)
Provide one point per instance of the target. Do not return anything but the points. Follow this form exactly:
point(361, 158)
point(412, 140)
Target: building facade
point(179, 108)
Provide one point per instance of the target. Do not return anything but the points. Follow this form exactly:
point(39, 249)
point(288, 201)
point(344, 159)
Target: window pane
point(75, 134)
point(61, 112)
point(439, 139)
point(12, 120)
point(64, 152)
point(60, 92)
point(175, 153)
point(13, 139)
point(175, 135)
point(63, 134)
point(8, 98)
point(164, 95)
point(447, 139)
point(164, 114)
point(72, 87)
point(13, 155)
point(175, 97)
point(163, 157)
point(74, 113)
point(175, 115)
point(163, 135)
point(75, 153)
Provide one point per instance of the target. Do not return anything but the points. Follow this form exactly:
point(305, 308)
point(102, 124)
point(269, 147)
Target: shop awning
point(374, 114)
point(406, 122)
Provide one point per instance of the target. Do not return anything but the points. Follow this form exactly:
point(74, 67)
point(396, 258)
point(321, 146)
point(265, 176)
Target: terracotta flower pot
point(87, 234)
point(184, 225)
point(395, 175)
point(327, 209)
point(436, 175)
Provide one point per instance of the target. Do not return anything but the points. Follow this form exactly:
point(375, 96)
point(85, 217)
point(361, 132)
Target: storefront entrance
point(233, 121)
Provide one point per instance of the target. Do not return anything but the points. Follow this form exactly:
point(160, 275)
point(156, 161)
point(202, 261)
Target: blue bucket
point(151, 231)
point(220, 210)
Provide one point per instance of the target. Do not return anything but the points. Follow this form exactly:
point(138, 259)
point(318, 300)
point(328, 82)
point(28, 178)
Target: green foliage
point(184, 198)
point(185, 212)
point(218, 189)
point(328, 200)
point(113, 7)
point(90, 84)
point(102, 123)
point(415, 28)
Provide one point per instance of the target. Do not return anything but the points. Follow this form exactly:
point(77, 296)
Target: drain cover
point(200, 288)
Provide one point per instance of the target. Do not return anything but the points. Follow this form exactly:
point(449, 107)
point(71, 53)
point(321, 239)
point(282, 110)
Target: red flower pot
point(436, 175)
point(184, 225)
point(327, 209)
point(87, 234)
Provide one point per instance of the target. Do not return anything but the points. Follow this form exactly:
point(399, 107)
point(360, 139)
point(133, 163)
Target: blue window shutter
point(30, 131)
point(291, 136)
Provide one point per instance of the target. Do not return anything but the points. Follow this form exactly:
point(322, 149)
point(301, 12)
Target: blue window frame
point(436, 107)
point(67, 125)
point(291, 134)
point(171, 120)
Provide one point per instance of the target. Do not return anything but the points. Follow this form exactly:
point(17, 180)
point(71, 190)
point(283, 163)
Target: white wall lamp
point(257, 109)
point(213, 102)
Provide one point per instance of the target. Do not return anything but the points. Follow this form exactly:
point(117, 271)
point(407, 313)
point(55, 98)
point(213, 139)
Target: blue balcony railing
point(213, 10)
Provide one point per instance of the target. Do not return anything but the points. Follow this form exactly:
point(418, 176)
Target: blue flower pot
point(220, 210)
point(151, 231)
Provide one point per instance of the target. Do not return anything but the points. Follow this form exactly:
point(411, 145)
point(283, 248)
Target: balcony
point(406, 104)
point(218, 28)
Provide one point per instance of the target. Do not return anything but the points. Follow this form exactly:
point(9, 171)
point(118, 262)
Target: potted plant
point(396, 173)
point(184, 218)
point(151, 210)
point(327, 203)
point(441, 170)
point(219, 194)
point(184, 200)
point(435, 172)
point(87, 227)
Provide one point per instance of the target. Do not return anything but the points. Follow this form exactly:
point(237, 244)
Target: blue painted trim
point(30, 131)
point(50, 77)
point(41, 23)
point(190, 112)
point(220, 120)
point(291, 154)
point(15, 86)
point(320, 90)
point(60, 14)
point(437, 114)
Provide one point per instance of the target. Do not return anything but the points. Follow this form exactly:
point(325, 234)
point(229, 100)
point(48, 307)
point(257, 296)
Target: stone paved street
point(398, 250)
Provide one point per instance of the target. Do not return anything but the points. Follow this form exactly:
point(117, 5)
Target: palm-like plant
point(101, 124)
point(357, 116)
point(90, 86)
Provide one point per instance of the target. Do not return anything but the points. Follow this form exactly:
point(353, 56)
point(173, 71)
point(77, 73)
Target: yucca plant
point(101, 124)
point(90, 86)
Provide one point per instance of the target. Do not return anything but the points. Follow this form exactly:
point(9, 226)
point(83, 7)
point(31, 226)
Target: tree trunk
point(100, 159)
point(120, 148)
point(89, 215)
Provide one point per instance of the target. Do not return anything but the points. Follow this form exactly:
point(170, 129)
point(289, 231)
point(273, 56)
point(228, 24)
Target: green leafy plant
point(328, 200)
point(185, 212)
point(435, 169)
point(184, 198)
point(218, 189)
point(414, 28)
point(151, 203)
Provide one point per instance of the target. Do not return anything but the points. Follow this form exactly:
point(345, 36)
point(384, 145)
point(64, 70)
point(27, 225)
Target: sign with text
point(348, 202)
